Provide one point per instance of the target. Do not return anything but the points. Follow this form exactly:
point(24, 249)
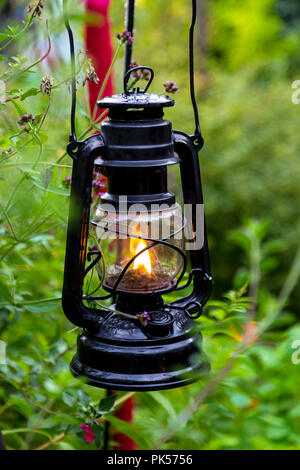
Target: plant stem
point(61, 436)
point(83, 134)
point(8, 221)
point(255, 260)
point(106, 78)
point(289, 285)
point(33, 64)
point(27, 25)
point(31, 302)
point(25, 430)
point(51, 442)
point(14, 165)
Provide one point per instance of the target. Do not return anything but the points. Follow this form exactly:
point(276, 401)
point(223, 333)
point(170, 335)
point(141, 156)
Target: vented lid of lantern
point(134, 97)
point(136, 101)
point(136, 135)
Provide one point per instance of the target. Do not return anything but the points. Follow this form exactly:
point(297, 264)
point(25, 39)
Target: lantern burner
point(122, 354)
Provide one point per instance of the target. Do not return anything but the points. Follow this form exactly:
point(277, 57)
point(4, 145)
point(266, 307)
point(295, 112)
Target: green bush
point(249, 169)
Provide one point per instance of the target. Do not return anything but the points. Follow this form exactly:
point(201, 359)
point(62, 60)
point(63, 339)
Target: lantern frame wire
point(175, 288)
point(155, 242)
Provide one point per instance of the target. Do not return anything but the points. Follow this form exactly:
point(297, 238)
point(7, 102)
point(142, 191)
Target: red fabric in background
point(99, 47)
point(125, 412)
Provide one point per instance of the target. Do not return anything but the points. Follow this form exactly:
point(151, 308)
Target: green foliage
point(244, 32)
point(249, 168)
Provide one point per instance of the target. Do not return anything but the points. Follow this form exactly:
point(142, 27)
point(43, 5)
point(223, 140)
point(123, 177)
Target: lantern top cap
point(136, 100)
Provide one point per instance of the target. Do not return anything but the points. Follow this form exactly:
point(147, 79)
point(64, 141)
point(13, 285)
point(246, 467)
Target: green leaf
point(277, 433)
point(107, 403)
point(128, 430)
point(83, 398)
point(3, 37)
point(72, 429)
point(294, 412)
point(42, 306)
point(18, 107)
point(69, 399)
point(46, 176)
point(12, 30)
point(51, 189)
point(163, 401)
point(98, 430)
point(26, 430)
point(21, 343)
point(238, 399)
point(30, 92)
point(5, 292)
point(62, 445)
point(67, 419)
point(40, 398)
point(42, 135)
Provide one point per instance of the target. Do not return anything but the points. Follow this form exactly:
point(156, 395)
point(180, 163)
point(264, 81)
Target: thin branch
point(106, 78)
point(124, 398)
point(31, 302)
point(36, 405)
point(15, 165)
point(8, 221)
point(45, 113)
point(27, 25)
point(37, 137)
point(58, 85)
point(63, 434)
point(51, 442)
point(255, 274)
point(25, 430)
point(33, 64)
point(248, 339)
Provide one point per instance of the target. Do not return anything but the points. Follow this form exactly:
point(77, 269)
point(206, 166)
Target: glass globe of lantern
point(124, 238)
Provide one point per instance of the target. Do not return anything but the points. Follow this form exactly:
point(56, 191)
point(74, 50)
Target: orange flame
point(143, 259)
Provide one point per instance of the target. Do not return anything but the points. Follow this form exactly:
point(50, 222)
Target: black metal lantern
point(115, 349)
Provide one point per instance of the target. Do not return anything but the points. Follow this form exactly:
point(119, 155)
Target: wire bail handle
point(129, 21)
point(130, 7)
point(137, 90)
point(197, 137)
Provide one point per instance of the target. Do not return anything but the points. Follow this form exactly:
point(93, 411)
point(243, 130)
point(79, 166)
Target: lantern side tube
point(192, 195)
point(78, 230)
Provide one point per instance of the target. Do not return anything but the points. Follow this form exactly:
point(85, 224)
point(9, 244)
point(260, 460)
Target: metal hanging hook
point(134, 69)
point(197, 137)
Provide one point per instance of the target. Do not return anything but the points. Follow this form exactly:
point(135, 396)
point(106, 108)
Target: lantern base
point(125, 355)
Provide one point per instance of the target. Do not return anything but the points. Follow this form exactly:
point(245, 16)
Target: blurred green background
point(247, 57)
